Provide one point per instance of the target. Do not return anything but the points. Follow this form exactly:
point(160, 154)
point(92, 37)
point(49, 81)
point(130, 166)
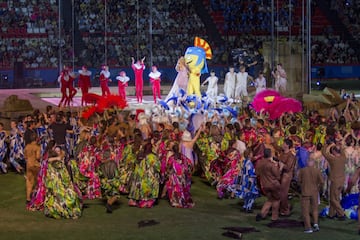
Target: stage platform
point(40, 98)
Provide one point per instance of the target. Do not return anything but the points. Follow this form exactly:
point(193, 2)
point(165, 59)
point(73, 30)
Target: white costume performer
point(260, 83)
point(280, 79)
point(229, 84)
point(212, 90)
point(241, 84)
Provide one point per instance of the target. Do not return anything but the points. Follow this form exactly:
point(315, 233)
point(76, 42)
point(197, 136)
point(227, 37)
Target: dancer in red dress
point(84, 82)
point(104, 80)
point(63, 79)
point(138, 68)
point(155, 81)
point(72, 90)
point(122, 83)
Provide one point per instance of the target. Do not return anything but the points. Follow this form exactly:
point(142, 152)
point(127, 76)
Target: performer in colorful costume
point(84, 82)
point(138, 68)
point(195, 58)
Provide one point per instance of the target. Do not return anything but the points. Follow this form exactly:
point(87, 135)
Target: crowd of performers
point(145, 157)
point(235, 83)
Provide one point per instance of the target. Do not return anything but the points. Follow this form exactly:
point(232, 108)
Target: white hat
point(142, 116)
point(186, 136)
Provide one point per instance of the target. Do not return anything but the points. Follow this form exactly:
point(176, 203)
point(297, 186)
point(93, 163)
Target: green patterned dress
point(144, 189)
point(62, 199)
point(126, 168)
point(109, 179)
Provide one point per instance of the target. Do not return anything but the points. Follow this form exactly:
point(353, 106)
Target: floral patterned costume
point(229, 176)
point(126, 168)
point(62, 199)
point(85, 175)
point(55, 194)
point(144, 188)
point(179, 181)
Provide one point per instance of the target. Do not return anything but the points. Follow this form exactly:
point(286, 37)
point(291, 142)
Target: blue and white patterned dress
point(3, 150)
point(16, 148)
point(245, 186)
point(44, 137)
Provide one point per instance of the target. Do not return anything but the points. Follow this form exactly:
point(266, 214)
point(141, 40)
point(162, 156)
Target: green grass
point(204, 221)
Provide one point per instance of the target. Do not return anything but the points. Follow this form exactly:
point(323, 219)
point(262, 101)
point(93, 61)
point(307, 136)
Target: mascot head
point(195, 57)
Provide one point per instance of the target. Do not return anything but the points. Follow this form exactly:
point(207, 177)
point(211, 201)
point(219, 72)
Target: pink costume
point(104, 79)
point(180, 82)
point(138, 71)
point(122, 84)
point(155, 81)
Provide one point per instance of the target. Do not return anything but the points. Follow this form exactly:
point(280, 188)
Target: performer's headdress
point(199, 42)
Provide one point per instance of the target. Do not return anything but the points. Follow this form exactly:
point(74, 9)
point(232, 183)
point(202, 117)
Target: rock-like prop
point(14, 104)
point(323, 101)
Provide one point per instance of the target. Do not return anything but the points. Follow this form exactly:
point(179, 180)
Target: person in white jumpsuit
point(229, 84)
point(280, 79)
point(212, 90)
point(241, 83)
point(260, 82)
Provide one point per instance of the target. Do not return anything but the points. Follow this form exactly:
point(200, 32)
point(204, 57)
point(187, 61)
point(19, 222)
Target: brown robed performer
point(270, 170)
point(310, 180)
point(335, 155)
point(288, 159)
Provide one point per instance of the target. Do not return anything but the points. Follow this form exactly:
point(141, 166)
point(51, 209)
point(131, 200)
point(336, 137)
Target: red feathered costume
point(84, 82)
point(138, 71)
point(104, 79)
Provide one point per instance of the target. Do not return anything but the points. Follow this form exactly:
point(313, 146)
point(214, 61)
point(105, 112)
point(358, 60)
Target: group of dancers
point(235, 84)
point(242, 154)
point(242, 157)
point(68, 91)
